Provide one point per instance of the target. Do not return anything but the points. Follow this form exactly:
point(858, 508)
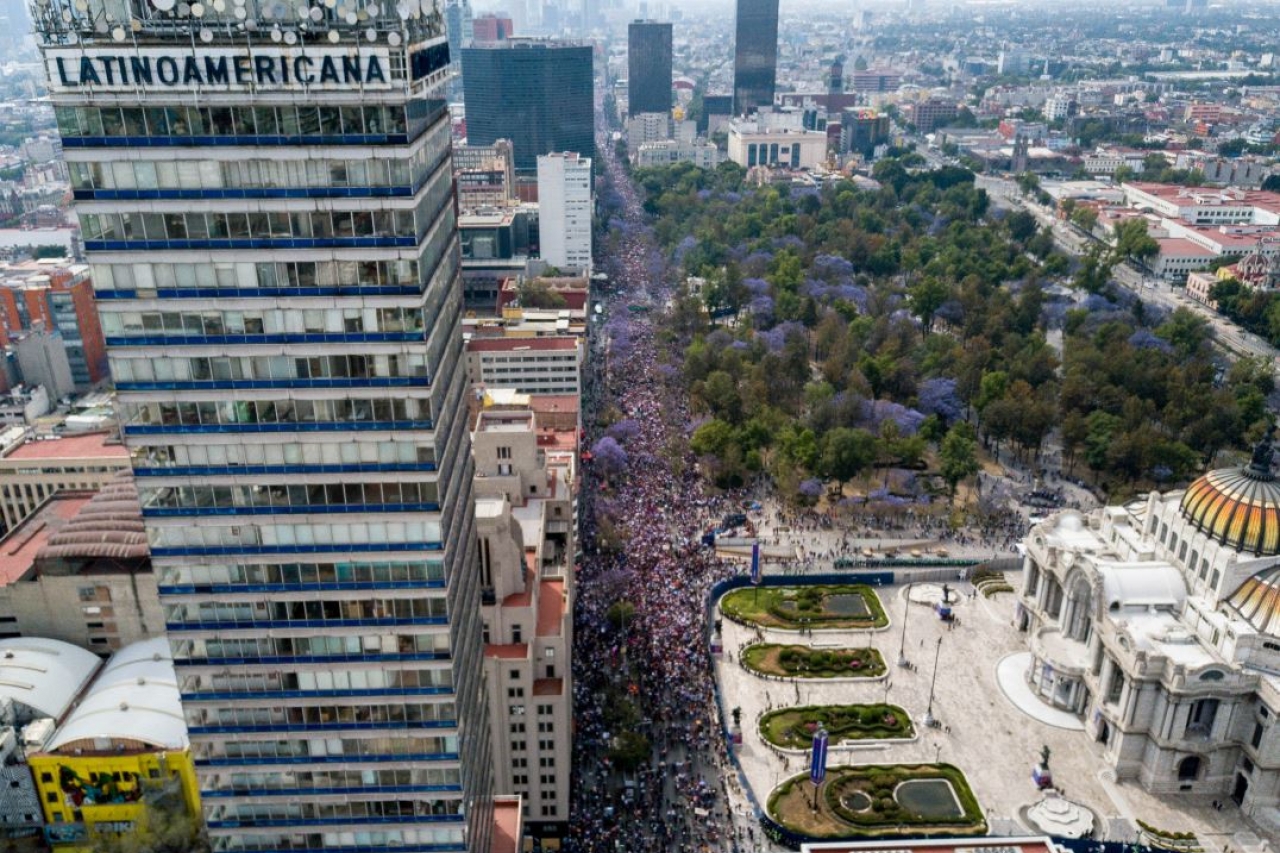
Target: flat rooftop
point(547, 344)
point(90, 445)
point(18, 549)
point(506, 825)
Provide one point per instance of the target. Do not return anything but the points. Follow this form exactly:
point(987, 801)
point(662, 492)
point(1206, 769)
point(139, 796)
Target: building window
point(517, 634)
point(515, 710)
point(51, 797)
point(1256, 740)
point(504, 452)
point(513, 674)
point(515, 692)
point(543, 711)
point(517, 746)
point(517, 728)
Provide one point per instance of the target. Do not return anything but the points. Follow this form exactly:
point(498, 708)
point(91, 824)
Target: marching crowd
point(677, 799)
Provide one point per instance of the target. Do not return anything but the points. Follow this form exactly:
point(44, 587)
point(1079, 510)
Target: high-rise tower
point(648, 67)
point(535, 92)
point(266, 198)
point(755, 55)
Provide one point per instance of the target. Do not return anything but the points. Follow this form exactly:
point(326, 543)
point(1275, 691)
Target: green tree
point(1133, 243)
point(712, 438)
point(926, 297)
point(1102, 429)
point(628, 750)
point(846, 453)
point(958, 455)
point(537, 293)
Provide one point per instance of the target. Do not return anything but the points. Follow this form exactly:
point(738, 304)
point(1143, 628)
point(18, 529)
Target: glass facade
point(538, 94)
point(648, 67)
point(755, 55)
point(276, 260)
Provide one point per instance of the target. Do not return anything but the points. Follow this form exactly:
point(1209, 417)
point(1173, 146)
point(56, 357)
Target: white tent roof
point(134, 698)
point(42, 674)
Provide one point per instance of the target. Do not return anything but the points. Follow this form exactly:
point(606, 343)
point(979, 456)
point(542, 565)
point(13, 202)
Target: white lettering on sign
point(218, 69)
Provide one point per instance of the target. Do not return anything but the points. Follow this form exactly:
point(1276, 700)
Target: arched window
point(1189, 768)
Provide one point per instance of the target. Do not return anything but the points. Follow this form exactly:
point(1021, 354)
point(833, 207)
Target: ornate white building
point(1158, 622)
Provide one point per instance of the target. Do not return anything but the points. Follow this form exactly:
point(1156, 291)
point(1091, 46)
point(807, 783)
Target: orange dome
point(1239, 507)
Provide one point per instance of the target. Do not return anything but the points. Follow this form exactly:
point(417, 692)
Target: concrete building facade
point(1158, 624)
point(564, 211)
point(297, 419)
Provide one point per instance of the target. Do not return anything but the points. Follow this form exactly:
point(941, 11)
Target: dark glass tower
point(648, 67)
point(266, 197)
point(536, 93)
point(755, 55)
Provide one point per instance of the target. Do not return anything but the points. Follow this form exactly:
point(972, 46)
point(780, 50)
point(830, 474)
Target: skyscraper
point(458, 24)
point(755, 55)
point(271, 228)
point(648, 67)
point(536, 93)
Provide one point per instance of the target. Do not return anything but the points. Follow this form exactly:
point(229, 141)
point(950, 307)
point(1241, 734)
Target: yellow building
point(121, 750)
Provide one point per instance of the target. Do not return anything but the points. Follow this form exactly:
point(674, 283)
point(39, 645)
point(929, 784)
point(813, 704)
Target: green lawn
point(793, 728)
point(868, 801)
point(791, 661)
point(820, 607)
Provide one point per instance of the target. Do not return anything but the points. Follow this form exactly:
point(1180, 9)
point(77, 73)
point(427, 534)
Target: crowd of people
point(673, 794)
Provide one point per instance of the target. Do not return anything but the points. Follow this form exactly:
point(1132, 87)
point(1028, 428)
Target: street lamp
point(906, 608)
point(928, 714)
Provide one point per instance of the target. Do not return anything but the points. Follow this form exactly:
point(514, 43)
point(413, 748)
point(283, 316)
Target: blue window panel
point(245, 193)
point(254, 292)
point(398, 848)
point(223, 793)
point(322, 426)
point(297, 659)
point(218, 470)
point(326, 759)
point(313, 338)
point(330, 382)
point(338, 821)
point(332, 727)
point(231, 696)
point(219, 550)
point(228, 588)
point(249, 624)
point(308, 509)
point(252, 243)
point(185, 141)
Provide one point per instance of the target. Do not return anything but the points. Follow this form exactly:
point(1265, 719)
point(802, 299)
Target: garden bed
point(817, 607)
point(793, 728)
point(880, 800)
point(790, 661)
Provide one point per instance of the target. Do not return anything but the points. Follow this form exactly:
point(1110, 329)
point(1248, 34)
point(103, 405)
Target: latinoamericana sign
point(218, 69)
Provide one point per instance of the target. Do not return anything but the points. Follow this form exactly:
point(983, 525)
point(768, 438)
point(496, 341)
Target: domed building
point(1158, 623)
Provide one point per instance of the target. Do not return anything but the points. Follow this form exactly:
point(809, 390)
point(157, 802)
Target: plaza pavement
point(983, 733)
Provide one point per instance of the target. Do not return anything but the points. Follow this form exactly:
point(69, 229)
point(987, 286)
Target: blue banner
point(818, 760)
point(755, 562)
